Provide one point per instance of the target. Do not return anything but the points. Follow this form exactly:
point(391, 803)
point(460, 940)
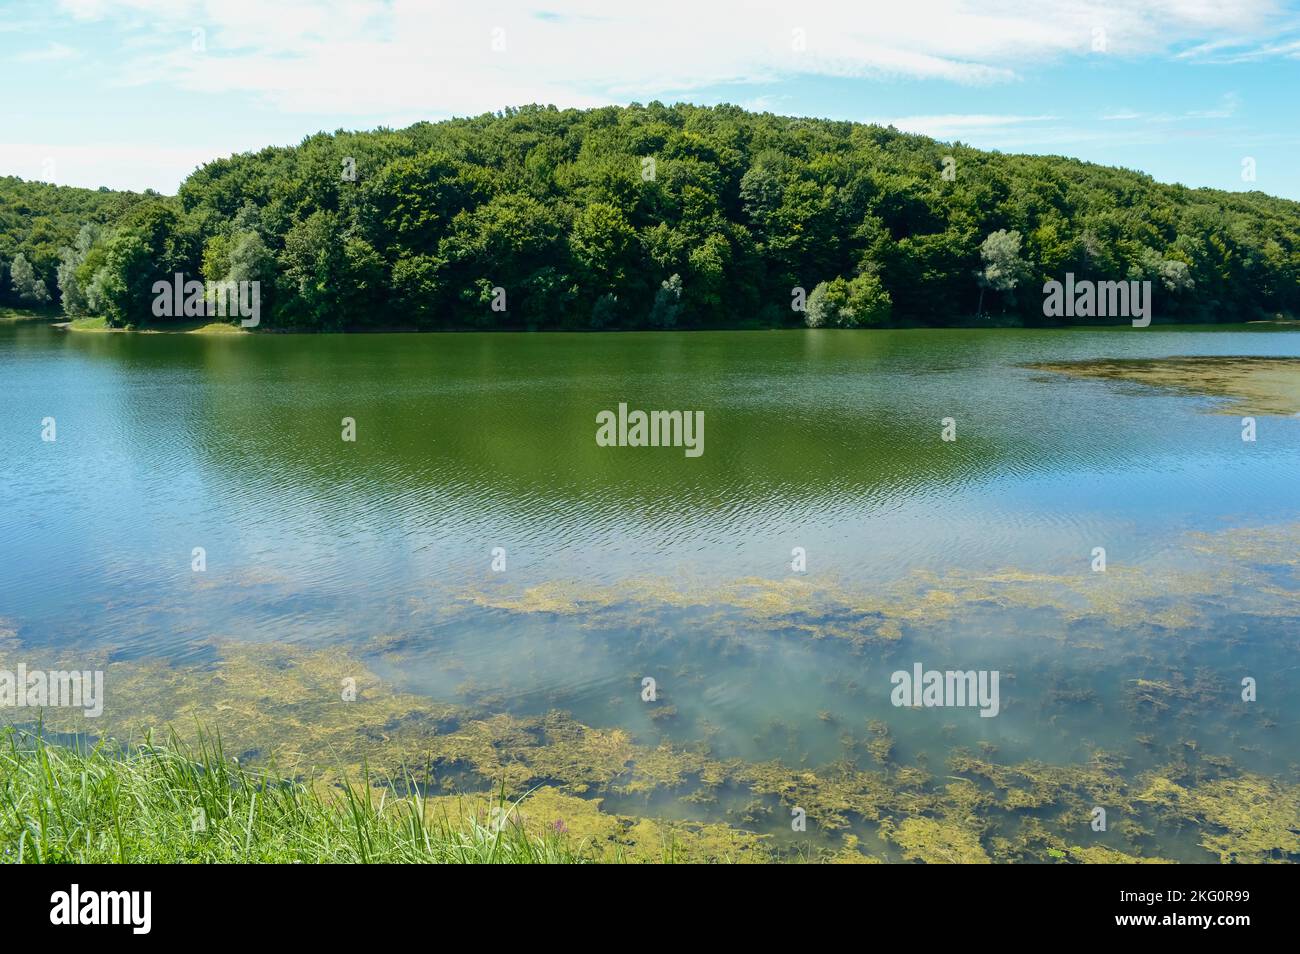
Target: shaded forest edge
point(645, 217)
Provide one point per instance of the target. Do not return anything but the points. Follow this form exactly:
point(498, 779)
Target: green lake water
point(623, 563)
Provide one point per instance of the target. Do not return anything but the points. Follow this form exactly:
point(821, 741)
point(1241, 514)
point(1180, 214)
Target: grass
point(200, 327)
point(107, 803)
point(88, 324)
point(25, 314)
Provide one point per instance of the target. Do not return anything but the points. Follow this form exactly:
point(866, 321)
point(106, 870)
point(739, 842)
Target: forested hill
point(38, 221)
point(654, 216)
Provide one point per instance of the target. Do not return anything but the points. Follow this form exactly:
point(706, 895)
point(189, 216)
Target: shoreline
point(98, 325)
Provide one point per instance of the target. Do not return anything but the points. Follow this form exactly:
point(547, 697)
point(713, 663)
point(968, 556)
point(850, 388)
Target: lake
point(500, 589)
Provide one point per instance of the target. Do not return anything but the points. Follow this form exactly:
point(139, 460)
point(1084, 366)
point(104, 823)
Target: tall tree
point(26, 284)
point(1003, 269)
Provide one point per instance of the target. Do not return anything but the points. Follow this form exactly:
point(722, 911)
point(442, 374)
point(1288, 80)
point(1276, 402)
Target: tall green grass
point(107, 802)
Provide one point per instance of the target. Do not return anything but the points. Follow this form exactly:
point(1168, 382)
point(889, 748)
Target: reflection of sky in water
point(826, 441)
point(757, 693)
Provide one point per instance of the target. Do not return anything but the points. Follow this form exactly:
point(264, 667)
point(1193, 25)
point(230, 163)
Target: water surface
point(623, 563)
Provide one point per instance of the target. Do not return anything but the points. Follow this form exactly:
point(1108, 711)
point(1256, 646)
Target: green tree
point(858, 303)
point(667, 304)
point(579, 215)
point(26, 284)
point(148, 245)
point(603, 245)
point(331, 279)
point(71, 289)
point(419, 287)
point(1003, 268)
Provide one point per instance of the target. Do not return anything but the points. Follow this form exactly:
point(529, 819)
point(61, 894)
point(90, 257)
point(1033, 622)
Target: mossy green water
point(329, 561)
point(280, 709)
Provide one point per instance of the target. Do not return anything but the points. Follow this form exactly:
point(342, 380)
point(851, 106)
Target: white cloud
point(1226, 109)
point(1246, 49)
point(420, 58)
point(958, 125)
point(118, 165)
point(53, 52)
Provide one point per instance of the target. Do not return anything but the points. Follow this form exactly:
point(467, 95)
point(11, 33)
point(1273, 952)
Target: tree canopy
point(651, 216)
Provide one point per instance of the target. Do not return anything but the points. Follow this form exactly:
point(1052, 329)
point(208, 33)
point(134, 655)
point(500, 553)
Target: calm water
point(826, 440)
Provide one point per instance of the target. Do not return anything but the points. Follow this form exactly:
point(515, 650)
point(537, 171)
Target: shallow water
point(627, 563)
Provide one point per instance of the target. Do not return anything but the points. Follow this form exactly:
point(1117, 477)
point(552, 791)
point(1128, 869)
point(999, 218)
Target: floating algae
point(1248, 818)
point(324, 714)
point(1248, 385)
point(935, 842)
point(280, 706)
point(1185, 590)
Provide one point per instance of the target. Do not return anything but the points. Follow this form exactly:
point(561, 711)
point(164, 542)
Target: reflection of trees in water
point(508, 422)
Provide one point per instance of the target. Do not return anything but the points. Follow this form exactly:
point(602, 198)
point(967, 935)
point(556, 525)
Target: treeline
point(651, 217)
point(39, 223)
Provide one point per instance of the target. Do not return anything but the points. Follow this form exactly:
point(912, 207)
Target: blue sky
point(136, 93)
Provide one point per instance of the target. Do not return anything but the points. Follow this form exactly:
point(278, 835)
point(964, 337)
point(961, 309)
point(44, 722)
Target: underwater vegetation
point(1248, 385)
point(1254, 568)
point(279, 708)
point(319, 737)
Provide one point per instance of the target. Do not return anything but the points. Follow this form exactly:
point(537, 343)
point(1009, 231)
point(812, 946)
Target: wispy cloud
point(51, 53)
point(1284, 43)
point(1038, 133)
point(419, 58)
point(956, 125)
point(1103, 79)
point(1228, 105)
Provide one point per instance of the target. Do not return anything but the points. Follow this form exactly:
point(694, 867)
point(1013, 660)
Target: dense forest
point(648, 217)
point(39, 222)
